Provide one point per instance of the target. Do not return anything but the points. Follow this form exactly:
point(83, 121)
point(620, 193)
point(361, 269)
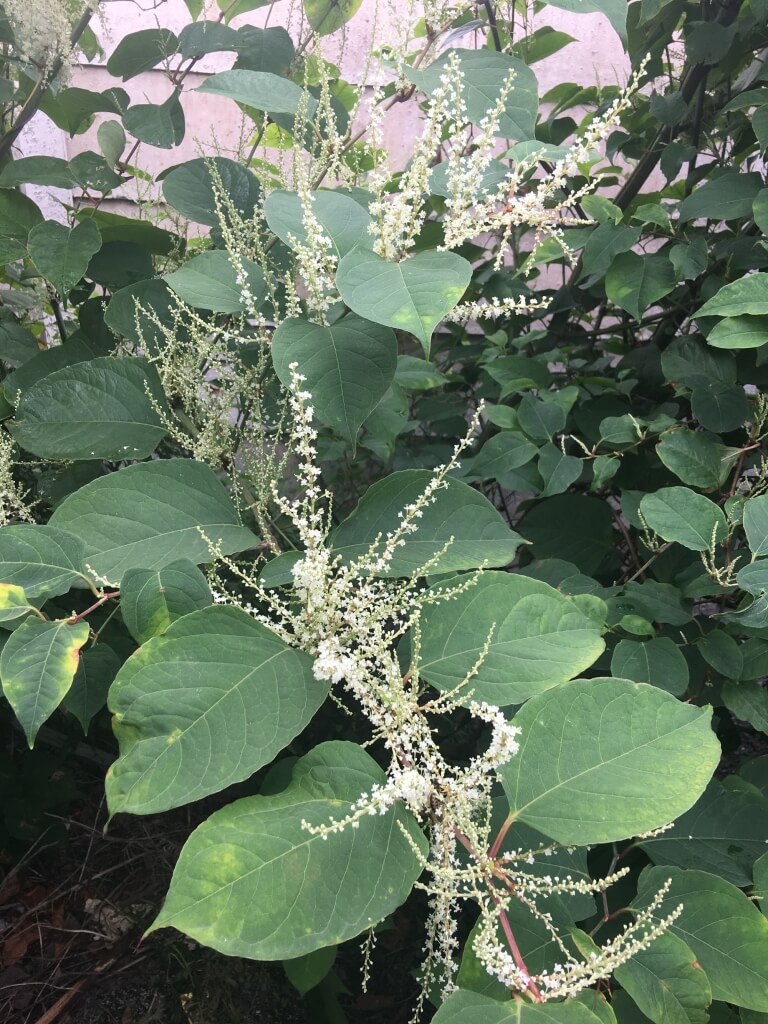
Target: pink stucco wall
point(213, 123)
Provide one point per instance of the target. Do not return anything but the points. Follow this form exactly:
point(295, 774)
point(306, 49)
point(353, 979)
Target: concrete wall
point(214, 124)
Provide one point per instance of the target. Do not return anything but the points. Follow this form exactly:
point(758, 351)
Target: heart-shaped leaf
point(413, 295)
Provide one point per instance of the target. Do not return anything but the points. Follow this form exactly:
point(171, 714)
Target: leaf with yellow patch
point(13, 602)
point(37, 666)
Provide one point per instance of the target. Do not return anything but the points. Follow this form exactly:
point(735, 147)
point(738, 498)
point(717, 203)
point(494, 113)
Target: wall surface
point(214, 124)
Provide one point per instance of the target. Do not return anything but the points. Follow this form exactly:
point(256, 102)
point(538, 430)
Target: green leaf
point(305, 972)
point(693, 458)
point(484, 73)
point(131, 311)
point(540, 419)
point(748, 295)
point(157, 124)
point(604, 244)
point(62, 254)
point(17, 344)
point(206, 705)
point(37, 665)
point(500, 456)
point(100, 409)
point(725, 198)
point(413, 295)
point(37, 170)
point(342, 219)
point(460, 515)
point(45, 561)
point(748, 702)
point(760, 210)
point(328, 16)
point(614, 10)
point(574, 527)
point(667, 983)
point(605, 759)
point(88, 694)
point(740, 331)
point(348, 367)
point(724, 832)
point(191, 189)
point(538, 639)
point(203, 37)
point(111, 138)
point(636, 281)
point(43, 364)
point(72, 109)
point(260, 90)
point(13, 602)
point(252, 881)
point(472, 1008)
point(684, 517)
point(520, 373)
point(658, 661)
point(150, 514)
point(18, 215)
point(209, 281)
point(264, 49)
point(141, 51)
point(727, 933)
point(755, 520)
point(721, 651)
point(720, 407)
point(558, 470)
point(151, 599)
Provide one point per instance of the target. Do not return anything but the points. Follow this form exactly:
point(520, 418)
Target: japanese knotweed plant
point(333, 403)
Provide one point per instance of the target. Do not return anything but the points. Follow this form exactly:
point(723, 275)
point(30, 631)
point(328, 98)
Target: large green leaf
point(343, 220)
point(204, 706)
point(151, 514)
point(103, 409)
point(725, 198)
point(413, 295)
point(43, 364)
point(88, 694)
point(694, 458)
point(667, 982)
point(261, 90)
point(484, 72)
point(680, 515)
point(472, 1008)
point(62, 254)
point(748, 295)
point(636, 281)
point(14, 603)
point(348, 367)
point(18, 216)
point(141, 51)
point(749, 703)
point(151, 599)
point(252, 881)
point(658, 661)
point(37, 666)
point(722, 926)
point(614, 10)
point(724, 832)
point(539, 638)
point(755, 519)
point(44, 561)
point(204, 37)
point(210, 281)
point(158, 124)
point(604, 759)
point(132, 311)
point(192, 187)
point(328, 16)
point(740, 332)
point(459, 514)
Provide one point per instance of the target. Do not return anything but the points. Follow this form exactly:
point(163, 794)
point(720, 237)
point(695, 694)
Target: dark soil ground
point(74, 902)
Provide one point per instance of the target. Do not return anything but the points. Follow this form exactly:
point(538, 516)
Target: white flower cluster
point(13, 504)
point(42, 28)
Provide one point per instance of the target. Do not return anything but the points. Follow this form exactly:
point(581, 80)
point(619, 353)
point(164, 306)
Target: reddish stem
point(93, 607)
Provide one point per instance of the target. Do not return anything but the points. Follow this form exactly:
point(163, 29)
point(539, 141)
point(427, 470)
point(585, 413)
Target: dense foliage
point(432, 500)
